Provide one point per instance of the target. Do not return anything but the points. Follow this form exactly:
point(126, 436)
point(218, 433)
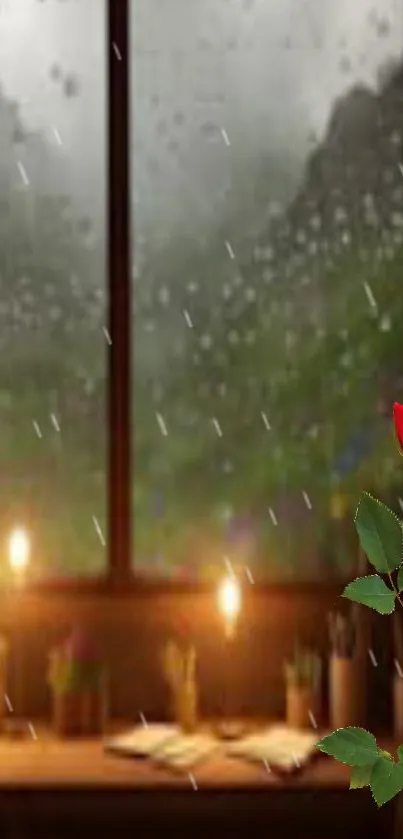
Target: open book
point(165, 745)
point(282, 749)
point(141, 741)
point(185, 752)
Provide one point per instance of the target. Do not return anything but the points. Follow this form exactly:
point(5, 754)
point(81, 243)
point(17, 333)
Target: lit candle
point(18, 554)
point(229, 602)
point(18, 557)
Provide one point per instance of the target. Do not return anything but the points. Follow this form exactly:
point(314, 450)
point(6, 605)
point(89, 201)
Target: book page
point(142, 741)
point(280, 747)
point(186, 751)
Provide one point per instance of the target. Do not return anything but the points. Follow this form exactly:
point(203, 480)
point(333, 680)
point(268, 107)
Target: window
point(267, 190)
point(268, 228)
point(53, 312)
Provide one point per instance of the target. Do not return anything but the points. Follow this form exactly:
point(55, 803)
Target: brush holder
point(79, 714)
point(185, 709)
point(180, 673)
point(301, 705)
point(398, 705)
point(343, 692)
point(79, 691)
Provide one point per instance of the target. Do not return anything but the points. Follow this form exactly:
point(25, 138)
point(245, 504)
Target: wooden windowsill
point(130, 586)
point(51, 788)
point(46, 762)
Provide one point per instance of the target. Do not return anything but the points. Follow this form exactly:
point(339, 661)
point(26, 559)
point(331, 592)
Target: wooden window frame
point(117, 575)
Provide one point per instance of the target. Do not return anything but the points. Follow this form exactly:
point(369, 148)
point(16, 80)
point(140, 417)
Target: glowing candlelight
point(229, 601)
point(19, 552)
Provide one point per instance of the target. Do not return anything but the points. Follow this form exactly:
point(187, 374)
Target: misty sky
point(266, 71)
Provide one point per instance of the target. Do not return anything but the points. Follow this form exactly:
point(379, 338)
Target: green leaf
point(380, 534)
point(400, 579)
point(386, 780)
point(373, 592)
point(354, 746)
point(360, 777)
point(400, 754)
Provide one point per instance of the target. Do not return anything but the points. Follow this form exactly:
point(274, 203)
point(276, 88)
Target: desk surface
point(54, 788)
point(46, 762)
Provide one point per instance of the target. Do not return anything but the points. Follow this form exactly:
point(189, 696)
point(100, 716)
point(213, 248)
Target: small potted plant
point(303, 678)
point(77, 680)
point(179, 663)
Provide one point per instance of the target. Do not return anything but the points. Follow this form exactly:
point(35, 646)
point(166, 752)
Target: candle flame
point(229, 600)
point(19, 549)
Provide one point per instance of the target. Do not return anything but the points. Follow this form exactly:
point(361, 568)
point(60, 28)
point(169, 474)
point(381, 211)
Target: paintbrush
point(342, 634)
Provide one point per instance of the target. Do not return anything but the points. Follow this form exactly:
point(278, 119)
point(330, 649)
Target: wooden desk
point(51, 789)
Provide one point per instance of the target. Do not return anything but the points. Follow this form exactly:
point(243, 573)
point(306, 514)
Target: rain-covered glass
point(52, 283)
point(267, 272)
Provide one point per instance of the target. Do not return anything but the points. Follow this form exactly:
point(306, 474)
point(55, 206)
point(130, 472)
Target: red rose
point(398, 418)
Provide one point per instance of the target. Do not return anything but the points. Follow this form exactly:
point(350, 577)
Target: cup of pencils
point(343, 687)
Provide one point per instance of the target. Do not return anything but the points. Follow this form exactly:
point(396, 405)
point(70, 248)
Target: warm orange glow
point(229, 601)
point(19, 550)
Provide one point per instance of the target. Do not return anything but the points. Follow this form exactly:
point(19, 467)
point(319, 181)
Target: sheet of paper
point(142, 741)
point(280, 747)
point(185, 751)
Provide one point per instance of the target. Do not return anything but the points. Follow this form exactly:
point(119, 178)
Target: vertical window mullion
point(119, 260)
